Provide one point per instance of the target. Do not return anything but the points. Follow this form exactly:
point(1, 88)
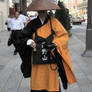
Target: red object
point(12, 11)
point(75, 3)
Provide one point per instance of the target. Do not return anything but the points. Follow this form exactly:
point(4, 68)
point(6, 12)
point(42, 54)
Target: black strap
point(36, 36)
point(52, 31)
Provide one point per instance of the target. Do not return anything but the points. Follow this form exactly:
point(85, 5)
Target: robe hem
point(43, 91)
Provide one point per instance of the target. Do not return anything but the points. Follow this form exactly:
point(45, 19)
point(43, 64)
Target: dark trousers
point(14, 36)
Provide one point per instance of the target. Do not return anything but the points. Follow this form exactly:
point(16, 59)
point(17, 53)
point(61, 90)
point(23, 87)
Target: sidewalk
point(11, 79)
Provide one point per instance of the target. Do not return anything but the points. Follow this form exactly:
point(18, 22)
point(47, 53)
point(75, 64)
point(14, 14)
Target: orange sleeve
point(61, 39)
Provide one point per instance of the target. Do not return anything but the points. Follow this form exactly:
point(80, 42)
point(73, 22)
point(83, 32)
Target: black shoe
point(15, 53)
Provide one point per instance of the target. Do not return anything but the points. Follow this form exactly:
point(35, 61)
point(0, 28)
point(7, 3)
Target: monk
point(42, 76)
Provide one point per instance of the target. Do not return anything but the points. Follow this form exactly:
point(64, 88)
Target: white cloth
point(29, 41)
point(42, 21)
point(23, 18)
point(32, 18)
point(16, 24)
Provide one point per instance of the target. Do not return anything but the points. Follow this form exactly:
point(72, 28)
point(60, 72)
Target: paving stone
point(89, 77)
point(84, 82)
point(5, 73)
point(13, 82)
point(1, 67)
point(73, 88)
point(11, 79)
point(86, 89)
point(25, 85)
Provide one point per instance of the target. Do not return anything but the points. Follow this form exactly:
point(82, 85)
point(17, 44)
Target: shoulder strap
point(52, 31)
point(36, 36)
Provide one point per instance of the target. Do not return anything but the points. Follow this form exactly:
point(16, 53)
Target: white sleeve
point(10, 25)
point(21, 24)
point(25, 20)
point(29, 41)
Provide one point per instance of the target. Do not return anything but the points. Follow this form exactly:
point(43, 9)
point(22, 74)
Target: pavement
point(11, 79)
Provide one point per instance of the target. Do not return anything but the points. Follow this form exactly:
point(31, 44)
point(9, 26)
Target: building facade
point(4, 11)
point(76, 7)
point(82, 7)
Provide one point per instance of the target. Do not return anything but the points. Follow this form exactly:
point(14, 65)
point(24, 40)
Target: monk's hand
point(33, 44)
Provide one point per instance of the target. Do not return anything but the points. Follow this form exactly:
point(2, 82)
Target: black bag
point(43, 54)
point(10, 40)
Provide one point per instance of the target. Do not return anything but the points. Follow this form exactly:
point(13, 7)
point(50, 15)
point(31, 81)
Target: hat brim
point(38, 5)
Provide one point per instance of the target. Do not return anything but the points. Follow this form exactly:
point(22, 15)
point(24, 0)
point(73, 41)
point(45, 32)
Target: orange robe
point(42, 77)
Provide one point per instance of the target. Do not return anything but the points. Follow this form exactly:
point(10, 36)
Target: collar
point(45, 21)
point(42, 21)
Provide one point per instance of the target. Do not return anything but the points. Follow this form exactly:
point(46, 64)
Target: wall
point(4, 9)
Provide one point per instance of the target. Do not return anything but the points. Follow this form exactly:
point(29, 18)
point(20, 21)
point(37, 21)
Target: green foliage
point(63, 16)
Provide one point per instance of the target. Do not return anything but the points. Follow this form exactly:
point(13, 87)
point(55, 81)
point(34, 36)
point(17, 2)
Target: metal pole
point(88, 51)
point(24, 5)
point(20, 5)
point(16, 7)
